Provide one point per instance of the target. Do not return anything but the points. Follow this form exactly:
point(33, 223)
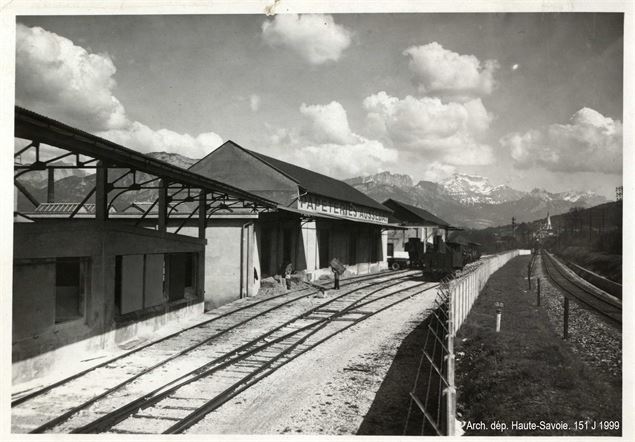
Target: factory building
point(318, 218)
point(93, 274)
point(419, 225)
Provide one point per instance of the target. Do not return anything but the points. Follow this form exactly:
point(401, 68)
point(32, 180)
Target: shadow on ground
point(388, 412)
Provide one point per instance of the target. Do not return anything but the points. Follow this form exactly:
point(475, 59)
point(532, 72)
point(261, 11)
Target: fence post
point(450, 389)
point(566, 318)
point(529, 274)
point(538, 292)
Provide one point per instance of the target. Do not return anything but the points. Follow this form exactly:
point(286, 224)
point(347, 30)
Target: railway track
point(49, 408)
point(585, 294)
point(224, 313)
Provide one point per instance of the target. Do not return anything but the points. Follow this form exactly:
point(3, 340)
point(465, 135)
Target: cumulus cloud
point(66, 80)
point(62, 80)
point(327, 144)
point(327, 123)
point(142, 138)
point(254, 102)
point(447, 133)
point(436, 171)
point(590, 142)
point(441, 72)
point(314, 37)
point(363, 157)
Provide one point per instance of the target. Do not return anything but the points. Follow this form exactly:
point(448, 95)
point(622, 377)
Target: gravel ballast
point(333, 388)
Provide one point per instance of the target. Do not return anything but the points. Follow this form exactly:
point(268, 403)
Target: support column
point(163, 205)
point(101, 192)
point(309, 239)
point(202, 214)
point(50, 188)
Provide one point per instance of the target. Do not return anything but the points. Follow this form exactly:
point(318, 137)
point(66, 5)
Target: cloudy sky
point(528, 100)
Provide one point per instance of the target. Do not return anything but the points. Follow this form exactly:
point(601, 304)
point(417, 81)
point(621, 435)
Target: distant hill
point(72, 185)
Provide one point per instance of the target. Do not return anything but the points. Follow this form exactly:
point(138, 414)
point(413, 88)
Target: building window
point(190, 271)
point(181, 279)
point(144, 281)
point(324, 240)
point(69, 288)
point(391, 249)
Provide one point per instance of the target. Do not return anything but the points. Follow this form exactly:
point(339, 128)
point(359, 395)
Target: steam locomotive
point(443, 257)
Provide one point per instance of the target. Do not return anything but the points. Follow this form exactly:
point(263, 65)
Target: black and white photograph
point(317, 219)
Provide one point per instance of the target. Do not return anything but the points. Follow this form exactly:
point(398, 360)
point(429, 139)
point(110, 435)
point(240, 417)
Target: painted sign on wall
point(320, 204)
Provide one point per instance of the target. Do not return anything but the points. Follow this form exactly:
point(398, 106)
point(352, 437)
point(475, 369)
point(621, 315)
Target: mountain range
point(472, 201)
point(462, 200)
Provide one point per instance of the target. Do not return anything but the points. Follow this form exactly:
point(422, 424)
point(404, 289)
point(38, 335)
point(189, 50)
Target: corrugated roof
point(423, 214)
point(63, 208)
point(319, 184)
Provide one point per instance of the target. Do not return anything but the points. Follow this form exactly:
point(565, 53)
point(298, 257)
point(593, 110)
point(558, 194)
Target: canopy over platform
point(168, 186)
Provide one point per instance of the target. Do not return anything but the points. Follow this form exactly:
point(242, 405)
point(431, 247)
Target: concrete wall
point(222, 263)
point(256, 270)
point(230, 258)
point(36, 245)
point(34, 289)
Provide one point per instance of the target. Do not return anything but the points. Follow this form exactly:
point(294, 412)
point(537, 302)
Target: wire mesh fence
point(432, 408)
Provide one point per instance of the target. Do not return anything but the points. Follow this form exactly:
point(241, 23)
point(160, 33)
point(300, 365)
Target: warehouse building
point(420, 225)
point(318, 218)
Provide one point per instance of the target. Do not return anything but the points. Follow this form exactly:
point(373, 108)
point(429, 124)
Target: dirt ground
point(355, 383)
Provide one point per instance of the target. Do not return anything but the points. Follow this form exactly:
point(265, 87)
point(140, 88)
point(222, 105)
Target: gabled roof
point(423, 215)
point(317, 183)
point(324, 185)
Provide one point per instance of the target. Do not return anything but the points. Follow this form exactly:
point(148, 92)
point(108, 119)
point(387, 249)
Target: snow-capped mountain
point(585, 198)
point(475, 189)
point(574, 196)
point(472, 201)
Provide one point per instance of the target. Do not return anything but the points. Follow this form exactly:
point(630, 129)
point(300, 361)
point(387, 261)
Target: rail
point(258, 346)
point(584, 293)
point(610, 287)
